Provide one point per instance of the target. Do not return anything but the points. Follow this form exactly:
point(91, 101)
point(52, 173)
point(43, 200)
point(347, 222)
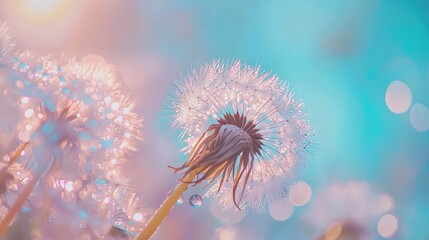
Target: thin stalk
point(21, 199)
point(166, 207)
point(18, 204)
point(16, 154)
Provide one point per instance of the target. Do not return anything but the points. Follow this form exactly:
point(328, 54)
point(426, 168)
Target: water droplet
point(179, 201)
point(84, 214)
point(45, 76)
point(100, 181)
point(23, 67)
point(106, 143)
point(65, 91)
point(196, 201)
point(138, 216)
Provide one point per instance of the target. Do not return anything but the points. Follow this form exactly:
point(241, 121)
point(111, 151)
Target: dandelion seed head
point(243, 130)
point(77, 120)
point(63, 105)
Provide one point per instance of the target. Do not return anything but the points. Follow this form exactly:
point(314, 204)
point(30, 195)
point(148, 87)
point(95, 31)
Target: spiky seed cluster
point(80, 127)
point(244, 130)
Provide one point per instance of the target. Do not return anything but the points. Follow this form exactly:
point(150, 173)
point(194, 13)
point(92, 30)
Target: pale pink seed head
point(244, 131)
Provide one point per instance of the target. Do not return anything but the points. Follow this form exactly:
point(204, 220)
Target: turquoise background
point(339, 56)
point(342, 84)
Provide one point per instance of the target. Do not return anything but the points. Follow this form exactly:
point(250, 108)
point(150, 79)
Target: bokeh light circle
point(419, 117)
point(138, 216)
point(385, 203)
point(398, 97)
point(225, 214)
point(387, 225)
point(300, 193)
point(281, 210)
point(226, 234)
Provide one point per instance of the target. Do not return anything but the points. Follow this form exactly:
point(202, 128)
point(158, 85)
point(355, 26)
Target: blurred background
point(360, 66)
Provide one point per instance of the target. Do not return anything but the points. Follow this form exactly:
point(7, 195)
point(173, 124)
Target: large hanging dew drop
point(196, 201)
point(179, 201)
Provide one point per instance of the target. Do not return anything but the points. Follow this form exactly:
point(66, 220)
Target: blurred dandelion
point(75, 127)
point(244, 132)
point(349, 211)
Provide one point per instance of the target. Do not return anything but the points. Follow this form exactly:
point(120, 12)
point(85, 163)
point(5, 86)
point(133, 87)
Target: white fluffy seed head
point(281, 142)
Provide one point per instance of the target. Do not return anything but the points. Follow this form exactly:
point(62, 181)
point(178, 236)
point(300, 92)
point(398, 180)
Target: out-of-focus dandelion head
point(244, 130)
point(348, 211)
point(79, 126)
point(73, 102)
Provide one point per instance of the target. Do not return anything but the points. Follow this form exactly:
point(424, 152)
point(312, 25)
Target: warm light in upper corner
point(42, 10)
point(43, 5)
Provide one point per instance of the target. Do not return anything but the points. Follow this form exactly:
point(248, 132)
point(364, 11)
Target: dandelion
point(245, 133)
point(349, 211)
point(76, 127)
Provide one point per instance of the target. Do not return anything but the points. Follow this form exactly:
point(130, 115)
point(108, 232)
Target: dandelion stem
point(166, 207)
point(16, 154)
point(18, 204)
